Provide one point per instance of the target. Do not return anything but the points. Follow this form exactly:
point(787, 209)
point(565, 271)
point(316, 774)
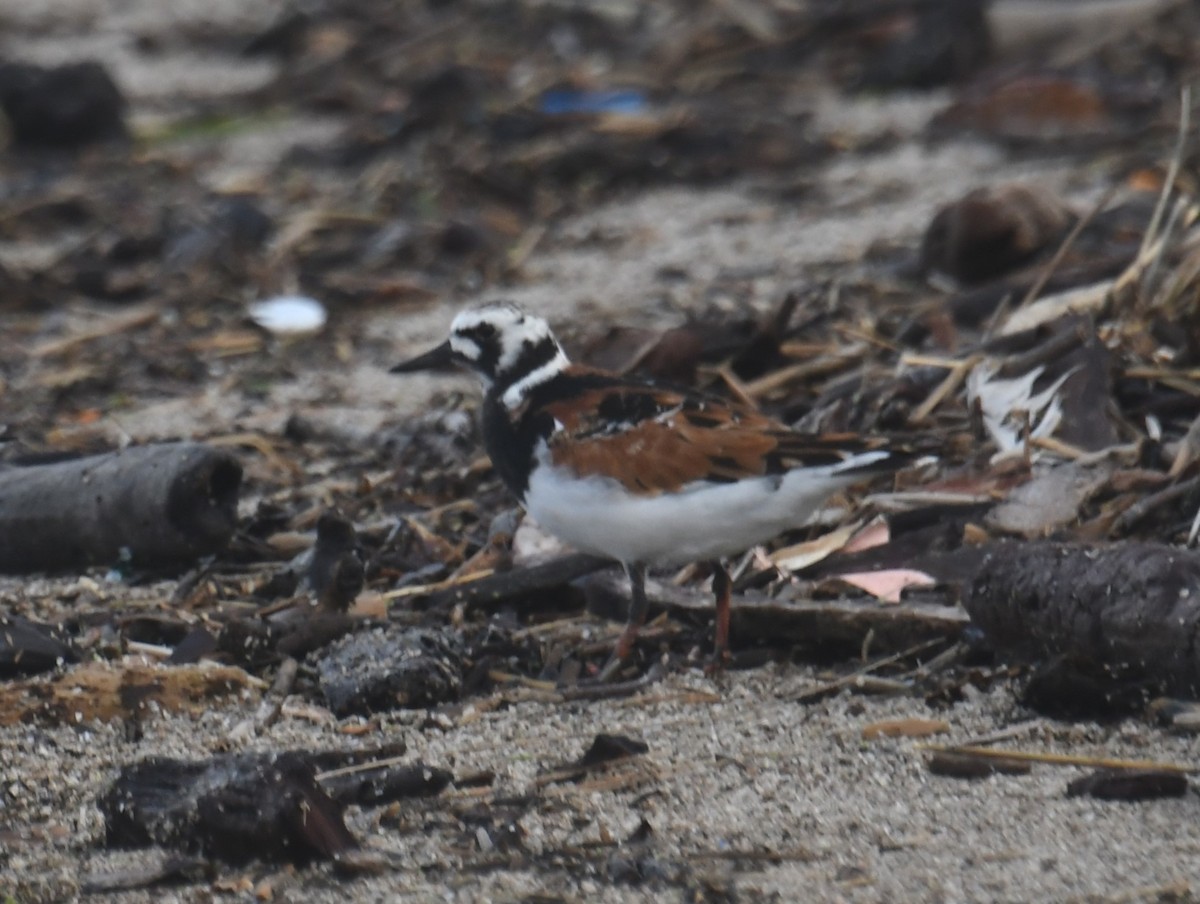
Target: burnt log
point(235, 808)
point(275, 807)
point(1132, 610)
point(152, 506)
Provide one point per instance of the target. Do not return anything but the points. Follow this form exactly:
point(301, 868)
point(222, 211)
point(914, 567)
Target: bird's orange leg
point(638, 606)
point(722, 587)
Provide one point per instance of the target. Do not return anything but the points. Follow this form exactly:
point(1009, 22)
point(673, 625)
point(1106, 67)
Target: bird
point(640, 473)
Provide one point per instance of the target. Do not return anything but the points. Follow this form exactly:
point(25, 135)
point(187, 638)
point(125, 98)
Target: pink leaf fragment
point(874, 534)
point(888, 584)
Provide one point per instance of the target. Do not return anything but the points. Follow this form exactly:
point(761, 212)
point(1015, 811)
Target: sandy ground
point(745, 791)
point(748, 795)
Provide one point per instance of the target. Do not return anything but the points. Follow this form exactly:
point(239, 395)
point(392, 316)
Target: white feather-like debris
point(1003, 401)
point(289, 315)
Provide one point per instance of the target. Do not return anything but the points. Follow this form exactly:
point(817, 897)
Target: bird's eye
point(485, 331)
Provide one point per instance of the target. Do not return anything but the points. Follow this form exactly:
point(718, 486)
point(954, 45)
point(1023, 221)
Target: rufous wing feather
point(654, 441)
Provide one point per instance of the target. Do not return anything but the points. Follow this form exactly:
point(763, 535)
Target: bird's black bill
point(438, 358)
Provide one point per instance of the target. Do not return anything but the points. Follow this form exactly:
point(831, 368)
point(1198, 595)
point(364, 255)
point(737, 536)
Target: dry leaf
point(802, 555)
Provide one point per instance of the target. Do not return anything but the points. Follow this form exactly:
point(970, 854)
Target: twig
point(1194, 531)
point(1052, 264)
point(524, 247)
point(943, 660)
point(262, 446)
point(1178, 211)
point(154, 651)
point(608, 691)
point(1185, 114)
point(355, 768)
point(1057, 759)
point(1145, 506)
point(143, 315)
point(1162, 373)
point(537, 684)
point(908, 500)
point(736, 386)
point(794, 855)
point(505, 585)
point(1004, 734)
point(1057, 446)
point(271, 704)
point(948, 386)
point(915, 360)
point(1053, 349)
point(854, 677)
point(436, 586)
point(801, 370)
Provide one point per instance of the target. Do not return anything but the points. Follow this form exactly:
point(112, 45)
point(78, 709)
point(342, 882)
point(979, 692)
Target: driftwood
point(152, 505)
point(1132, 609)
point(831, 624)
point(498, 590)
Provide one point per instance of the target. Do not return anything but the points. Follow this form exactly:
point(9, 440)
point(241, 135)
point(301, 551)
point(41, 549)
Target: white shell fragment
point(289, 315)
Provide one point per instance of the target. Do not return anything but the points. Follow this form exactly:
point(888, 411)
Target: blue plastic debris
point(619, 102)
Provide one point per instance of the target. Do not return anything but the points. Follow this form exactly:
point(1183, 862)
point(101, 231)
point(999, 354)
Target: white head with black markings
point(509, 349)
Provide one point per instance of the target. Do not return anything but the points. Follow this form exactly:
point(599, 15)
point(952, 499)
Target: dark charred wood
point(154, 506)
point(234, 808)
point(305, 635)
point(1073, 687)
point(972, 307)
point(958, 765)
point(394, 667)
point(328, 760)
point(335, 571)
point(64, 107)
point(385, 784)
point(609, 747)
point(1130, 784)
point(27, 648)
point(195, 645)
point(1131, 609)
point(605, 750)
point(506, 587)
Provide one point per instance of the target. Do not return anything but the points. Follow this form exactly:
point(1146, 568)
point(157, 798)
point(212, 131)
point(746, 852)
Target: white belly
point(703, 521)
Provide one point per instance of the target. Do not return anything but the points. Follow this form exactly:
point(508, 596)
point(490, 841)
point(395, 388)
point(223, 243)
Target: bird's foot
point(621, 654)
point(604, 689)
point(720, 660)
point(611, 668)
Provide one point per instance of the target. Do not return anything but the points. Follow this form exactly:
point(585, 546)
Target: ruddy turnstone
point(640, 473)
